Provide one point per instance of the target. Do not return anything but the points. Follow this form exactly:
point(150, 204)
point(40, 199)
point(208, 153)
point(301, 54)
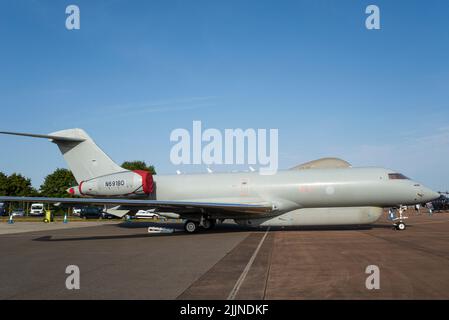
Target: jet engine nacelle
point(125, 183)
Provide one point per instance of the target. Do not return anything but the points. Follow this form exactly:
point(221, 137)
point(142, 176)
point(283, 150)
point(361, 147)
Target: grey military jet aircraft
point(322, 192)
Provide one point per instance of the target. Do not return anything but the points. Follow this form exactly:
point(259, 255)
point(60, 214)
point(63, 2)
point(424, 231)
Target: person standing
point(417, 207)
point(429, 206)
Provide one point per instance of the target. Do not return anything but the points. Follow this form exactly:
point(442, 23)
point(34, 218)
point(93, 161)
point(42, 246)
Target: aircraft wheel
point(191, 226)
point(208, 224)
point(400, 226)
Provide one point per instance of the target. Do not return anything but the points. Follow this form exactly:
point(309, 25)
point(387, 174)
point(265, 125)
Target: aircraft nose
point(428, 194)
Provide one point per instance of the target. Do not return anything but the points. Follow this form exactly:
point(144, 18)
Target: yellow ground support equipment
point(48, 216)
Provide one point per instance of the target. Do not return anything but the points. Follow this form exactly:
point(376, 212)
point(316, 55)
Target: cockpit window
point(397, 176)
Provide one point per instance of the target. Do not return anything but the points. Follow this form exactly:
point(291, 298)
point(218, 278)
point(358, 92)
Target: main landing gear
point(191, 226)
point(208, 224)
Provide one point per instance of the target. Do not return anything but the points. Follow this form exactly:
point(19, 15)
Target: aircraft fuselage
point(294, 189)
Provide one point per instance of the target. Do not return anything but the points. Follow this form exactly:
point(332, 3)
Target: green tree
point(57, 183)
point(138, 165)
point(19, 186)
point(3, 184)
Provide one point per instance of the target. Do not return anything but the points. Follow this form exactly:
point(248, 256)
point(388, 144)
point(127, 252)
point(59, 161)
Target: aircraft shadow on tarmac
point(232, 227)
point(220, 228)
point(178, 231)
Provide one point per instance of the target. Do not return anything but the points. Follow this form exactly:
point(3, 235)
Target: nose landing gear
point(398, 222)
point(400, 226)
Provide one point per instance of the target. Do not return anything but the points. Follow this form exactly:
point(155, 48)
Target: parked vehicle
point(18, 213)
point(76, 212)
point(3, 211)
point(37, 209)
point(149, 214)
point(91, 212)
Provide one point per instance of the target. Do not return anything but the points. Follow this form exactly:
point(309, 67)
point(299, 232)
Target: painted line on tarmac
point(242, 277)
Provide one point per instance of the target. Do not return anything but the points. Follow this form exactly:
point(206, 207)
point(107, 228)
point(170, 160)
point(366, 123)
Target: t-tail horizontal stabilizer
point(84, 158)
point(45, 136)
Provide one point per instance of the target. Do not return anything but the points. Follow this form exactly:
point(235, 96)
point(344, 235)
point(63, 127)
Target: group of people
point(428, 206)
point(392, 211)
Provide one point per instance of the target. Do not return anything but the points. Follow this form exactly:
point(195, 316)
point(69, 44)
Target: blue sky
point(136, 70)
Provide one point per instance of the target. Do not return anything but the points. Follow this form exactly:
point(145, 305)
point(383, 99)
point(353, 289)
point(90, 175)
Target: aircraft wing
point(184, 208)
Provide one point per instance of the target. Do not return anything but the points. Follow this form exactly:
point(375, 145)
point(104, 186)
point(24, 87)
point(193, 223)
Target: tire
point(401, 226)
point(191, 226)
point(209, 224)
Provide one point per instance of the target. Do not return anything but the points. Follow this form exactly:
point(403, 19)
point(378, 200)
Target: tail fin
point(84, 158)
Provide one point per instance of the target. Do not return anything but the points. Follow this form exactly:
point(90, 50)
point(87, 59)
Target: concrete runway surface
point(123, 261)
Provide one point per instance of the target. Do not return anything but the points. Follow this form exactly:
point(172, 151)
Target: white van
point(37, 209)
